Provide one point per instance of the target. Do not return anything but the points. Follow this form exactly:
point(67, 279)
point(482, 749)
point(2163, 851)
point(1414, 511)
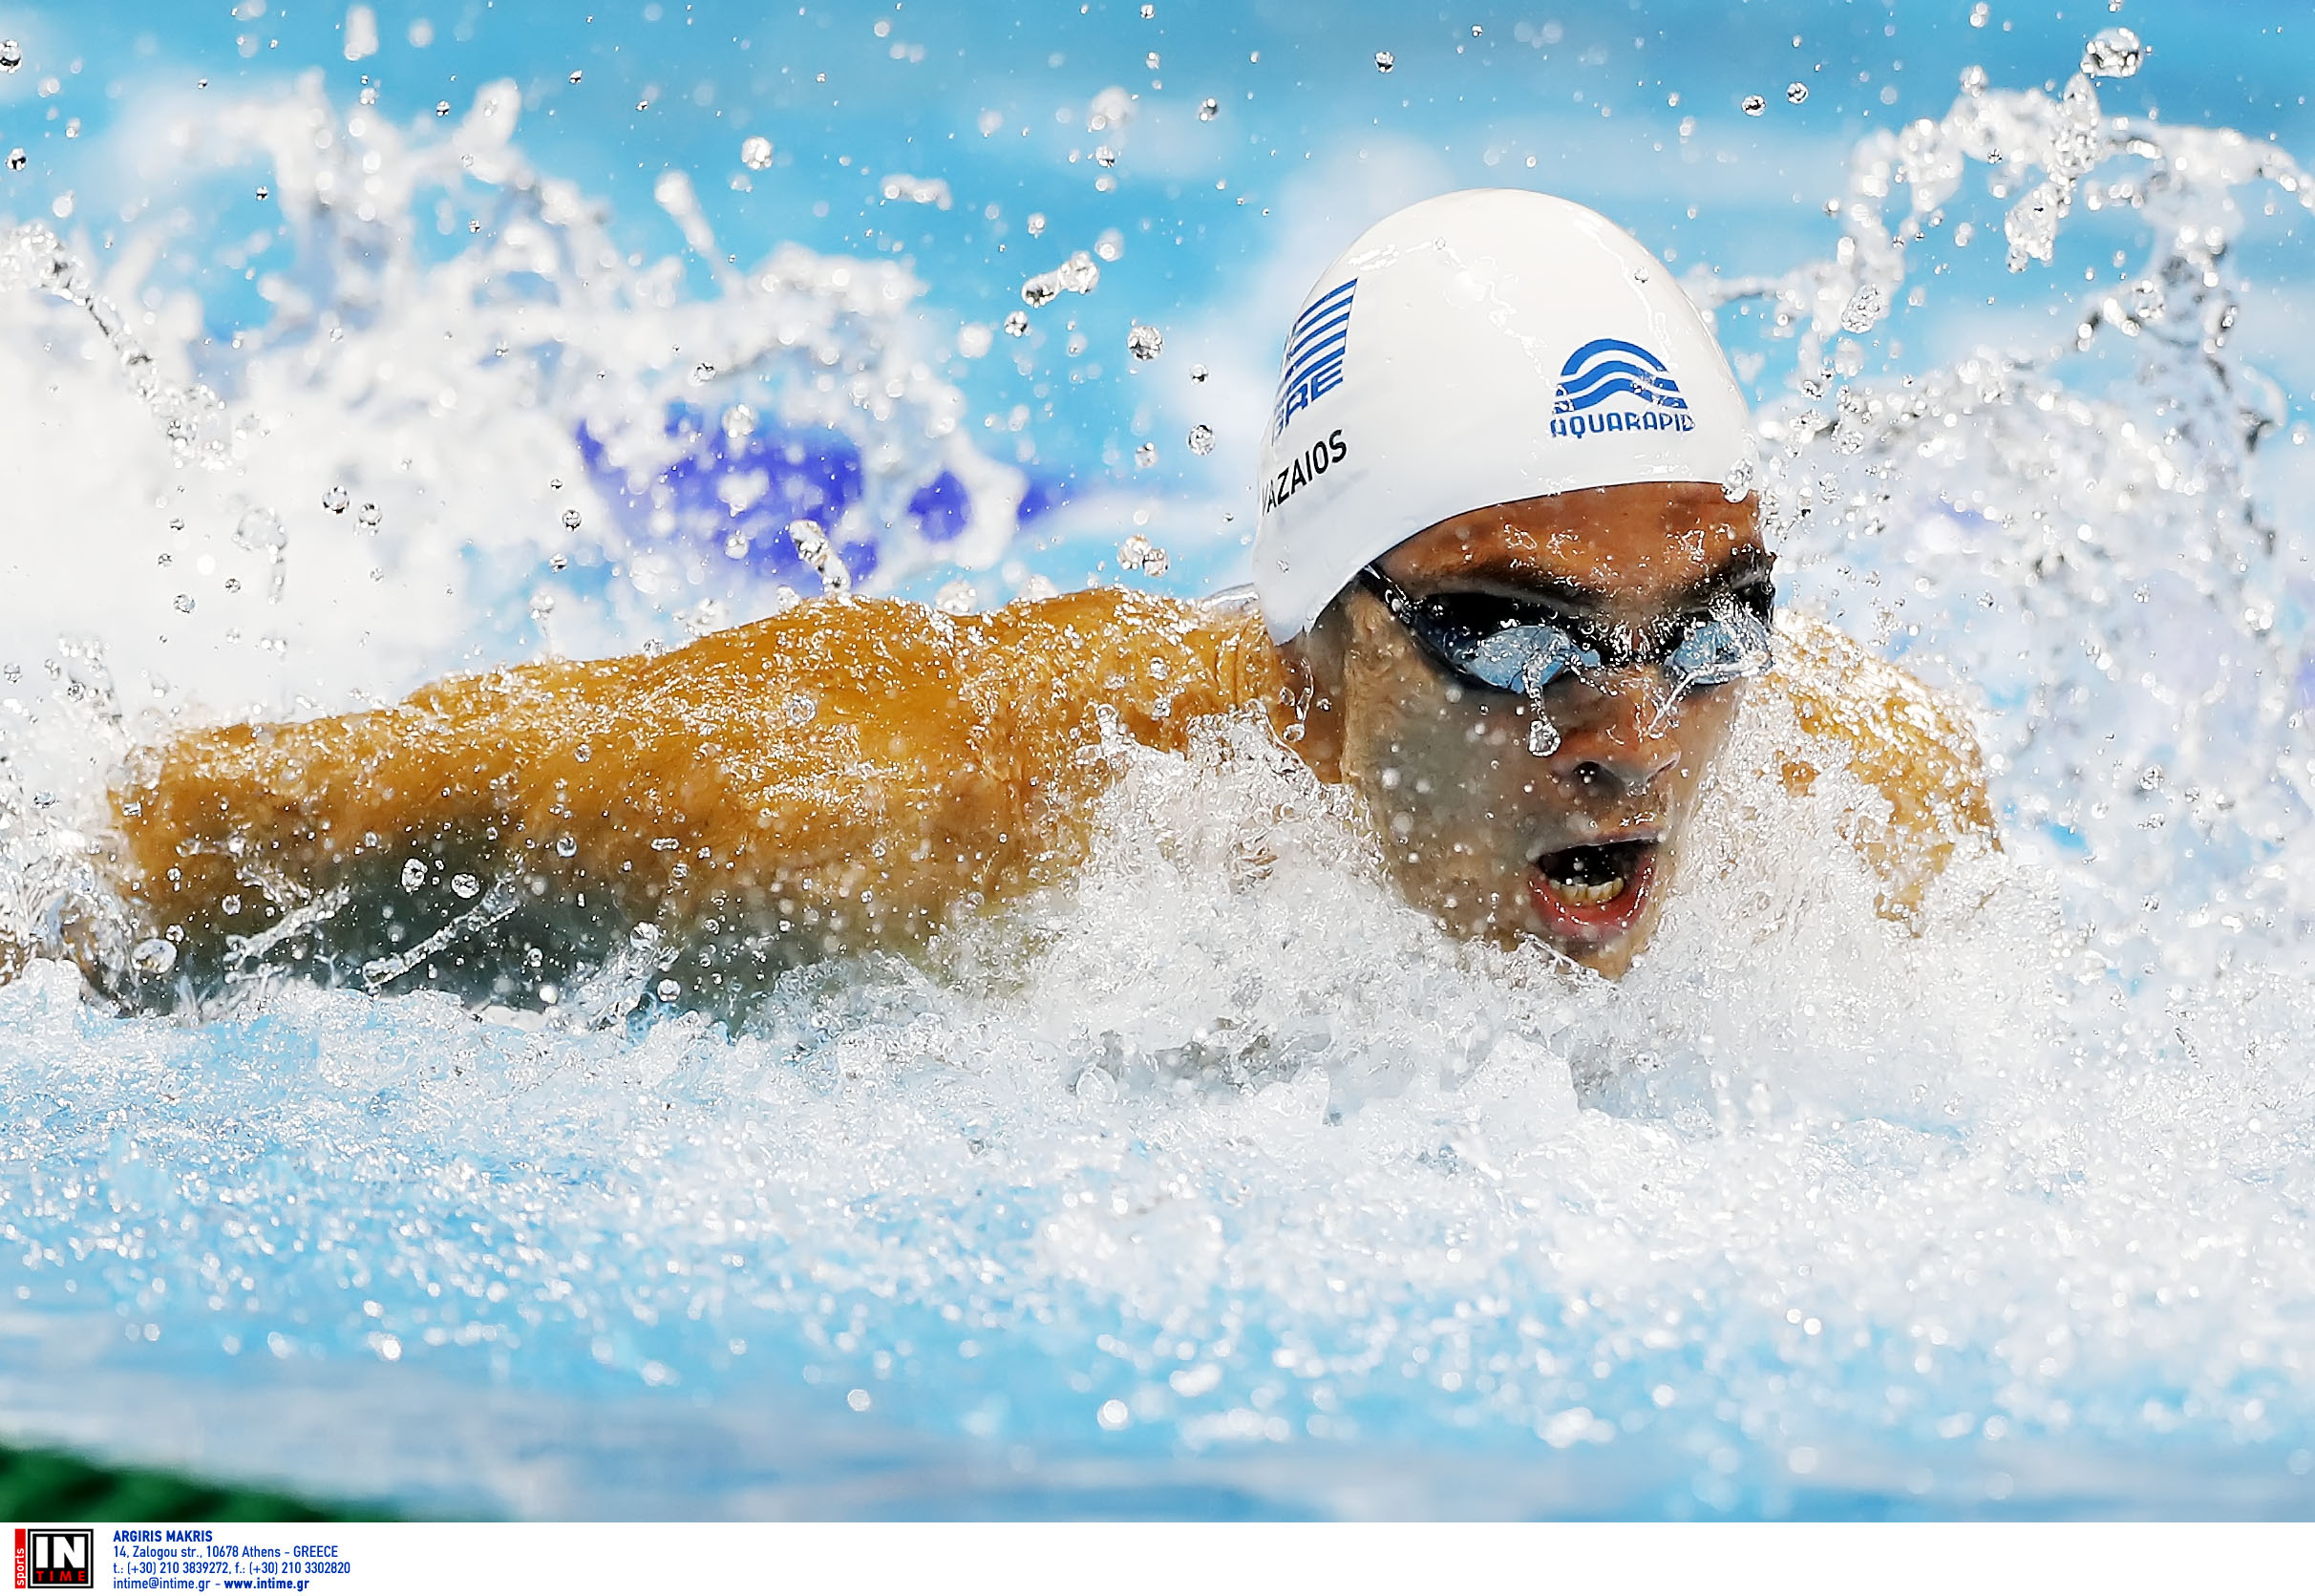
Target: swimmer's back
point(845, 775)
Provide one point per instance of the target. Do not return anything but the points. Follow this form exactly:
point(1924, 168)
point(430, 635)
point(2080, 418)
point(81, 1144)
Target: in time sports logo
point(1314, 354)
point(1613, 367)
point(56, 1559)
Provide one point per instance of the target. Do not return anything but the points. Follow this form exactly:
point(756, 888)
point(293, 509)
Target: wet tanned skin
point(1446, 768)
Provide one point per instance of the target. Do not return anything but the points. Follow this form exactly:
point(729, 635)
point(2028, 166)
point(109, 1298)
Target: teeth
point(1589, 895)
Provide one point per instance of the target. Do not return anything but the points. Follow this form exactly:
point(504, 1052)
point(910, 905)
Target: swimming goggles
point(1522, 645)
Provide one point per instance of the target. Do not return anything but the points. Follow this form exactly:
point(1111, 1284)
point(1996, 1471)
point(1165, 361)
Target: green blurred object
point(55, 1486)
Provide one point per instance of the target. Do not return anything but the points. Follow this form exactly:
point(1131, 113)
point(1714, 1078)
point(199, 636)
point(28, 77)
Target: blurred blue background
point(1218, 214)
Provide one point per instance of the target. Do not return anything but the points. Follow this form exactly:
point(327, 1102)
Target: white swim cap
point(1482, 346)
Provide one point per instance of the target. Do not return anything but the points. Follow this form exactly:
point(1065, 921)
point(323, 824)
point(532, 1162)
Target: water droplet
point(703, 372)
point(16, 160)
point(441, 108)
point(1145, 341)
point(2115, 52)
point(1979, 13)
point(184, 602)
point(1114, 1415)
point(1754, 105)
point(1016, 325)
point(1079, 274)
point(812, 544)
point(1198, 373)
point(260, 529)
point(1138, 554)
point(1738, 482)
point(1104, 156)
point(263, 193)
point(1146, 455)
point(1041, 289)
point(1151, 60)
point(1384, 60)
point(1865, 308)
point(335, 500)
point(1973, 80)
point(464, 885)
point(576, 76)
point(12, 55)
point(413, 874)
point(1036, 223)
point(565, 846)
point(230, 903)
point(1202, 439)
point(1111, 245)
point(1208, 110)
point(1148, 12)
point(755, 152)
point(670, 989)
point(559, 562)
point(1796, 92)
point(956, 597)
point(368, 515)
point(1543, 736)
point(154, 956)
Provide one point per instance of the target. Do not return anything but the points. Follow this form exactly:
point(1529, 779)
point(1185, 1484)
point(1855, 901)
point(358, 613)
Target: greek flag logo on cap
point(1314, 354)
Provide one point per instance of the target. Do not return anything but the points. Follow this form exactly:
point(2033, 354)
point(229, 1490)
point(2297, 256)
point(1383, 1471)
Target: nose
point(1613, 737)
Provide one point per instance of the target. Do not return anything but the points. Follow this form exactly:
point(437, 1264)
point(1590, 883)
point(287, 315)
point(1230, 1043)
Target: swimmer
point(1508, 587)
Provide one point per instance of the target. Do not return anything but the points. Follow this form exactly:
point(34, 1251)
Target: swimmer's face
point(1574, 847)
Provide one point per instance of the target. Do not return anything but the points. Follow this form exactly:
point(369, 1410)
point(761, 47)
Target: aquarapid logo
point(56, 1559)
point(1315, 349)
point(1614, 368)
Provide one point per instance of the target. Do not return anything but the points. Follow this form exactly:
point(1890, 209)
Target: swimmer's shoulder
point(1904, 739)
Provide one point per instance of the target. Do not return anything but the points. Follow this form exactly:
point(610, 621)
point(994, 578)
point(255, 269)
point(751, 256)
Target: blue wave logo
point(1606, 366)
point(1315, 348)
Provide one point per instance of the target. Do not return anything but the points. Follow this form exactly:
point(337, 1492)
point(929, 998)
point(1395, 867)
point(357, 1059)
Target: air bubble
point(413, 874)
point(566, 845)
point(154, 956)
point(1202, 439)
point(670, 991)
point(755, 152)
point(1543, 738)
point(1145, 341)
point(465, 884)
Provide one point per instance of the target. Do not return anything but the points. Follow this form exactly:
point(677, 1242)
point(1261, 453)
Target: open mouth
point(1594, 893)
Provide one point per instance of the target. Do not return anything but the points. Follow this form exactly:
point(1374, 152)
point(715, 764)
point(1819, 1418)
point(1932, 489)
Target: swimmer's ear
point(1308, 715)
